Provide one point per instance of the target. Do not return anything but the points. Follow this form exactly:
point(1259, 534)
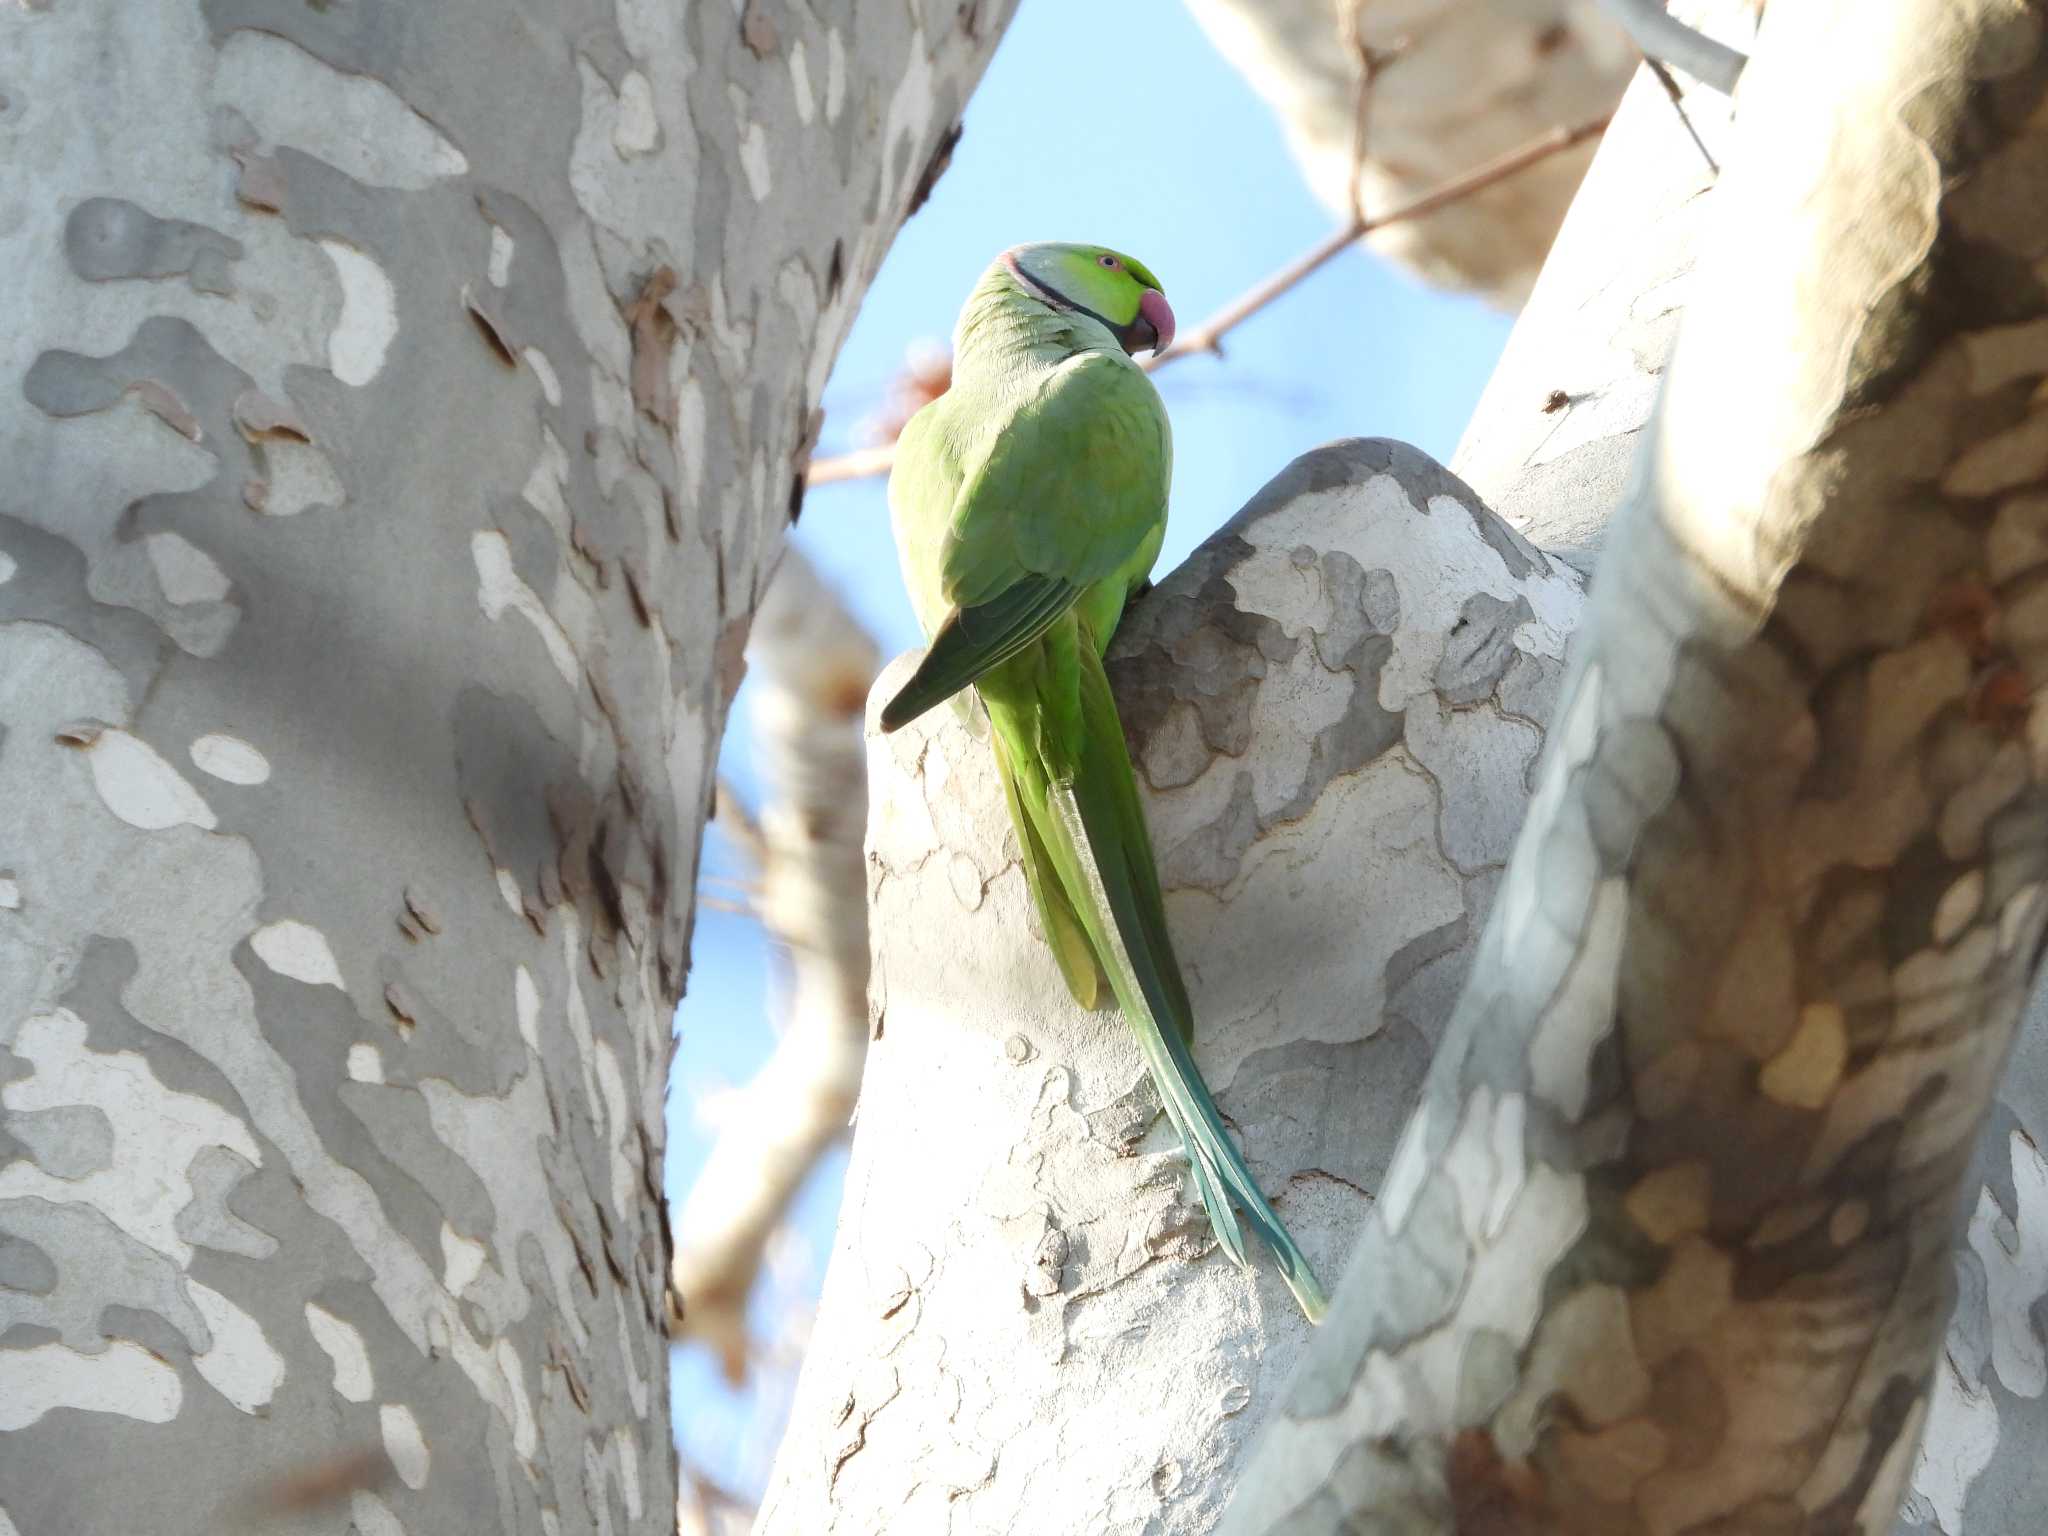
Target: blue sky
point(1184, 168)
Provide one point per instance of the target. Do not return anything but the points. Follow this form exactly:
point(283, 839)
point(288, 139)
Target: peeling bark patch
point(488, 328)
point(653, 332)
point(163, 403)
point(261, 182)
point(107, 239)
point(344, 1347)
point(758, 30)
point(934, 167)
point(369, 315)
point(261, 418)
point(1480, 647)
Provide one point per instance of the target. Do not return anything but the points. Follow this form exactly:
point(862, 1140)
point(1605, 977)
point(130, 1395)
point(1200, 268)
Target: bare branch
point(814, 665)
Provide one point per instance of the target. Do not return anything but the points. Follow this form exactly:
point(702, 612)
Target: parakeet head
point(1105, 285)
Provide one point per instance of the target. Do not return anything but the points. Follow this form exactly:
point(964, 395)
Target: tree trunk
point(402, 408)
point(1025, 1321)
point(1667, 1244)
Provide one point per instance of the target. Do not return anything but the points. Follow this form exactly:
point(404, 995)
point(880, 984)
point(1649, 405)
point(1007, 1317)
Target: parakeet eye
point(1106, 260)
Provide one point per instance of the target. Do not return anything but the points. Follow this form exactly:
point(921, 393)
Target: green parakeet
point(1029, 502)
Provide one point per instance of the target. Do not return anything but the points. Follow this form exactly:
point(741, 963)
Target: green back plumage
point(1029, 502)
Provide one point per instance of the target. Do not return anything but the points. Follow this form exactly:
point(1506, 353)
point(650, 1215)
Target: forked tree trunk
point(400, 409)
point(1667, 1246)
point(1024, 1321)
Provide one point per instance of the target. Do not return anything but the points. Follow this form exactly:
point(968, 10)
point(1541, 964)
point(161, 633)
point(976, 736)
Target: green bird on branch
point(1029, 502)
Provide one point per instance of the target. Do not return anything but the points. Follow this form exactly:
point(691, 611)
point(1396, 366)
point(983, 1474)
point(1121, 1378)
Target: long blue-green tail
point(1087, 817)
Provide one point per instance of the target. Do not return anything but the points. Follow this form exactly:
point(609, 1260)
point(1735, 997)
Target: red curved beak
point(1154, 311)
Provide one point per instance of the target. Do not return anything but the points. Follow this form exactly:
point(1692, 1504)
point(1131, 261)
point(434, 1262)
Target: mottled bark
point(1026, 1322)
point(1667, 1245)
point(400, 408)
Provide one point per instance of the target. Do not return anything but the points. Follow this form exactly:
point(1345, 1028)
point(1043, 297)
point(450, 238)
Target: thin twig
point(1664, 37)
point(1208, 336)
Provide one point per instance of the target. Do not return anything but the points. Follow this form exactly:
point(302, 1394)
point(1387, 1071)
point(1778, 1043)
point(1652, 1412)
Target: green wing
point(1067, 491)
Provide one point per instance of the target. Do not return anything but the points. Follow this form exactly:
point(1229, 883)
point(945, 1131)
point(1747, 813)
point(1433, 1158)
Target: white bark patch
point(800, 84)
point(629, 1469)
point(240, 1364)
point(1962, 1436)
point(636, 1384)
point(1544, 1219)
point(301, 477)
point(2015, 917)
point(123, 1378)
point(365, 1063)
point(353, 1378)
point(298, 950)
point(550, 382)
point(187, 573)
point(353, 122)
point(636, 130)
point(755, 161)
point(371, 1516)
point(2015, 1256)
point(526, 1007)
point(619, 1124)
point(462, 1260)
point(7, 567)
point(835, 74)
point(1582, 1013)
point(1958, 906)
point(508, 892)
point(525, 1431)
point(157, 1132)
point(10, 894)
point(499, 588)
point(369, 315)
point(500, 267)
point(140, 787)
point(404, 1444)
point(229, 758)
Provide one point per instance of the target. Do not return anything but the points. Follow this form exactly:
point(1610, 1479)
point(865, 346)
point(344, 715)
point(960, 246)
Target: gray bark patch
point(109, 238)
point(67, 1142)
